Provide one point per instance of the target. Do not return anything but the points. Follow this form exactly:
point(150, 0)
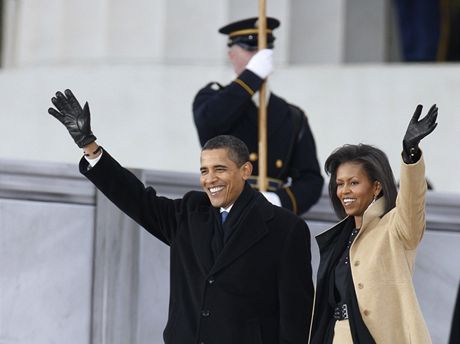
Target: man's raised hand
point(75, 119)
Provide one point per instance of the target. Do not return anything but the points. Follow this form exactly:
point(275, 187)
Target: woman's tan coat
point(382, 263)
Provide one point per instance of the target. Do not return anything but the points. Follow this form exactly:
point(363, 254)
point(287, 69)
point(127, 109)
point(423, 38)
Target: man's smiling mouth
point(215, 189)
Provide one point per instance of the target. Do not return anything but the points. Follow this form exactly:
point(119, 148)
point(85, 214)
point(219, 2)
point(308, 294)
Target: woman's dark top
point(343, 271)
point(343, 290)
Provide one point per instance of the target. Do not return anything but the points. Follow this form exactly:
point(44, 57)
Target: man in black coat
point(295, 180)
point(240, 266)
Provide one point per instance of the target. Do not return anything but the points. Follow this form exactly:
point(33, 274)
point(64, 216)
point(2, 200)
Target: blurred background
point(74, 270)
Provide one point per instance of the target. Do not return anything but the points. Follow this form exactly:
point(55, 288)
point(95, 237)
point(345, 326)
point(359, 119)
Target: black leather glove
point(75, 119)
point(416, 131)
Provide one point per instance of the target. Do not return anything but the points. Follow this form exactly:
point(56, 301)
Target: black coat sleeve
point(158, 215)
point(296, 289)
point(215, 111)
point(306, 179)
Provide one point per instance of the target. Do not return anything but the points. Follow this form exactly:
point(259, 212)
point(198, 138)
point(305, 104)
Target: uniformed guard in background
point(294, 177)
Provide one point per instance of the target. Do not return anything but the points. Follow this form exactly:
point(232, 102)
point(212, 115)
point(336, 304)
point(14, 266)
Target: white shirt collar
point(227, 209)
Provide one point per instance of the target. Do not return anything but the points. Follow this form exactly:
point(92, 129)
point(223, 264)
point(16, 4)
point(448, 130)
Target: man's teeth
point(215, 189)
point(348, 201)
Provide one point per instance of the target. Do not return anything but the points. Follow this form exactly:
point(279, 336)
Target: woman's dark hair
point(237, 150)
point(373, 161)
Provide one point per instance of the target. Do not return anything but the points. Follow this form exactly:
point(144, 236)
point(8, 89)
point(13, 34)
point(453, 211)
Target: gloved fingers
point(261, 63)
point(433, 108)
point(432, 114)
point(72, 100)
point(61, 97)
point(430, 117)
point(61, 103)
point(432, 127)
point(428, 130)
point(86, 110)
point(429, 121)
point(416, 114)
point(263, 56)
point(84, 119)
point(272, 197)
point(56, 114)
point(433, 118)
point(56, 102)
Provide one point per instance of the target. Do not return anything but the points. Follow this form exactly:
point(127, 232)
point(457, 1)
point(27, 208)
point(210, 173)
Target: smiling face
point(221, 178)
point(355, 190)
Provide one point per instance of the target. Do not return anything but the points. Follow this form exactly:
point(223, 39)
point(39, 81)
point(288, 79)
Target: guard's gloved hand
point(272, 197)
point(261, 63)
point(75, 119)
point(416, 131)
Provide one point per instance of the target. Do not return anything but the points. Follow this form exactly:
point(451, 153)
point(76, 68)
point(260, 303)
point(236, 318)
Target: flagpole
point(262, 44)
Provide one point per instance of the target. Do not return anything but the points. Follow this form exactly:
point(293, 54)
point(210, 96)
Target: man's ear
point(246, 170)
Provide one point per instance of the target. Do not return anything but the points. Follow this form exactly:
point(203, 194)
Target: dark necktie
point(223, 216)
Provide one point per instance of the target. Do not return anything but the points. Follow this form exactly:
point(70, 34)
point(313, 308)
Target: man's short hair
point(237, 150)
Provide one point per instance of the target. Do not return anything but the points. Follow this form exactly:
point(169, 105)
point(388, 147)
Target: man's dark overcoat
point(259, 289)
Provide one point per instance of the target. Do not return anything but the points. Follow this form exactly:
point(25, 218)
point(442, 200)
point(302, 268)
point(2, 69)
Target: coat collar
point(372, 213)
point(252, 228)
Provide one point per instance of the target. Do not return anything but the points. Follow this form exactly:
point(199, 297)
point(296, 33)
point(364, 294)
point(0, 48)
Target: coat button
point(211, 280)
point(279, 163)
point(205, 313)
point(360, 285)
point(357, 263)
point(366, 312)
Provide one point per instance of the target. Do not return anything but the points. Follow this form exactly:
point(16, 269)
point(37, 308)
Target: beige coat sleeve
point(410, 204)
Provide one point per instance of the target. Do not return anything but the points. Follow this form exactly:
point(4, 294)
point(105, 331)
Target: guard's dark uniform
point(293, 166)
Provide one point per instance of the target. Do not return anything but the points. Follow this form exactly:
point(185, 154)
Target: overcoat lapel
point(203, 220)
point(251, 230)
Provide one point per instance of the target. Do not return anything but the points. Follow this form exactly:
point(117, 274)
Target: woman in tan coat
point(365, 292)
